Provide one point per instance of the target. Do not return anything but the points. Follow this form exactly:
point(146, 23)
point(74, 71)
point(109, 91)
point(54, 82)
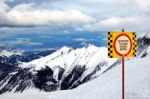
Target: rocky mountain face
point(143, 45)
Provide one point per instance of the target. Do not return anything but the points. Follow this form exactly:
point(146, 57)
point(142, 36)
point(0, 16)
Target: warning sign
point(121, 44)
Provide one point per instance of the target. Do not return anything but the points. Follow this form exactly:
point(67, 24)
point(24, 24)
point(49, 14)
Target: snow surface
point(106, 86)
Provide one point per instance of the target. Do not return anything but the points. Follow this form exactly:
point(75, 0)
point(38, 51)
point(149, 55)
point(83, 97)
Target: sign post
point(123, 79)
point(122, 45)
point(123, 76)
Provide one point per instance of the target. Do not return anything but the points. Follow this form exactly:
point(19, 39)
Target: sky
point(80, 15)
point(22, 22)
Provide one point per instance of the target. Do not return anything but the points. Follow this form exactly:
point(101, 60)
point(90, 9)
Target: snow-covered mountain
point(109, 85)
point(63, 69)
point(68, 58)
point(10, 58)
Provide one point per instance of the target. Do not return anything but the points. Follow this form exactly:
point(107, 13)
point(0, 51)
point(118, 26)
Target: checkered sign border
point(110, 44)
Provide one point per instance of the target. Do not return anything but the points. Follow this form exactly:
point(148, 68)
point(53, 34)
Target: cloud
point(95, 15)
point(66, 32)
point(13, 3)
point(80, 39)
point(24, 15)
point(131, 23)
point(143, 4)
point(83, 43)
point(20, 42)
point(113, 15)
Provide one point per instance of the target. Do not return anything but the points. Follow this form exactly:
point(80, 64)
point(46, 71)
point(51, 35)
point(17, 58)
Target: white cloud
point(143, 4)
point(20, 42)
point(132, 23)
point(27, 15)
point(67, 32)
point(132, 15)
point(80, 39)
point(98, 15)
point(83, 40)
point(83, 43)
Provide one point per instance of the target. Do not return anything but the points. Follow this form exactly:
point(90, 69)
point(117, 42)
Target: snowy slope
point(106, 86)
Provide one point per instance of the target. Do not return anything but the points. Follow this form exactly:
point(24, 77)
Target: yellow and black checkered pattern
point(111, 51)
point(134, 43)
point(110, 45)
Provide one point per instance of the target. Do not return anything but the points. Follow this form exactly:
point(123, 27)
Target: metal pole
point(123, 79)
point(123, 76)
